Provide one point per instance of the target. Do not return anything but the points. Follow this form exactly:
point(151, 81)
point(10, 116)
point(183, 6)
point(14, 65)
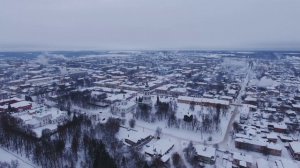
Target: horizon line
point(120, 50)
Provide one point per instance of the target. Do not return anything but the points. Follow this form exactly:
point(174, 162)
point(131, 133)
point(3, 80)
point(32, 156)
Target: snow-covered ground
point(8, 156)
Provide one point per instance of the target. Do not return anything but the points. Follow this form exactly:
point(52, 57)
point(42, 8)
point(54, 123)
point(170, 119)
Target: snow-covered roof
point(285, 163)
point(165, 158)
point(250, 99)
point(262, 163)
point(39, 130)
point(160, 147)
point(10, 99)
point(295, 146)
point(243, 157)
point(204, 100)
point(274, 146)
point(296, 105)
point(290, 112)
point(280, 125)
point(208, 95)
point(182, 90)
point(206, 151)
point(239, 135)
point(39, 80)
point(284, 137)
point(271, 109)
point(115, 97)
point(226, 97)
point(252, 141)
point(21, 104)
point(125, 104)
point(133, 136)
point(165, 87)
point(24, 117)
point(231, 91)
point(32, 122)
point(272, 135)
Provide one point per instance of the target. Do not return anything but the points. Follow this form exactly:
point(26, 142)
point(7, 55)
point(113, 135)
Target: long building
point(203, 101)
point(258, 146)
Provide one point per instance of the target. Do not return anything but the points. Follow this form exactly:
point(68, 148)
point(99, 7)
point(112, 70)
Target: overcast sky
point(149, 24)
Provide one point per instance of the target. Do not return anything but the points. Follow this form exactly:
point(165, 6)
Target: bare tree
point(132, 123)
point(158, 132)
point(177, 161)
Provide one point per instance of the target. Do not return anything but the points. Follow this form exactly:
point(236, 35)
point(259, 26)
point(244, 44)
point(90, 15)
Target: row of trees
point(60, 149)
point(12, 164)
point(161, 111)
point(204, 122)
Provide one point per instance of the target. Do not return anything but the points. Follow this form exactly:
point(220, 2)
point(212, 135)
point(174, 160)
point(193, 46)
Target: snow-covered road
point(236, 109)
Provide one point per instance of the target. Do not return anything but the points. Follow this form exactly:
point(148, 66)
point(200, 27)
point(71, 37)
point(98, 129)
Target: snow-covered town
point(150, 109)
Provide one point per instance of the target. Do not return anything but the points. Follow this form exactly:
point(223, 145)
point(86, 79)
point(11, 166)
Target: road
point(235, 111)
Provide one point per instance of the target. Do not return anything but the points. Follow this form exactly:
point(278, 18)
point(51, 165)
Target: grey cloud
point(144, 24)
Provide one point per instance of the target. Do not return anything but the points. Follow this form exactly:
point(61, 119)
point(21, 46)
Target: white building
point(123, 107)
point(147, 96)
point(206, 154)
point(160, 147)
point(42, 116)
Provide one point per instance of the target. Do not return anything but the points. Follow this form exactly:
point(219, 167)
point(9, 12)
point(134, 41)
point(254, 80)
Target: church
point(147, 96)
